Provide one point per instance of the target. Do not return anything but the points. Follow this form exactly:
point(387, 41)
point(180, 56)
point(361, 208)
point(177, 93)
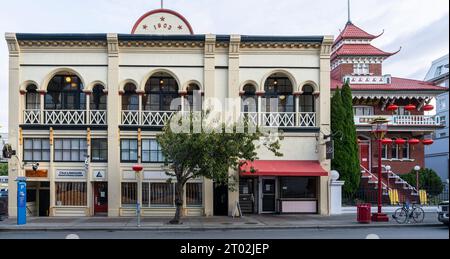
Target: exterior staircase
point(389, 181)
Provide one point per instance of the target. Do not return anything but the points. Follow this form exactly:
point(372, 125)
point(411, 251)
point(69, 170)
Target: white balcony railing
point(372, 80)
point(64, 117)
point(401, 120)
point(272, 119)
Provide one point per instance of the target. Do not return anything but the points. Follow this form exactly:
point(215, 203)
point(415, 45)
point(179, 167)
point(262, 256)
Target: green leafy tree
point(346, 160)
point(429, 180)
point(3, 169)
point(209, 153)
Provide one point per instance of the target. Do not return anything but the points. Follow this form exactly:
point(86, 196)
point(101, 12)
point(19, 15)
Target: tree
point(346, 160)
point(3, 169)
point(209, 153)
point(429, 180)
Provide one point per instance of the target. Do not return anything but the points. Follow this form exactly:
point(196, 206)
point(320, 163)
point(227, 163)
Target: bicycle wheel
point(400, 215)
point(418, 215)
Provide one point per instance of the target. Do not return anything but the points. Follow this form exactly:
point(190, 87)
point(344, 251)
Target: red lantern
point(392, 107)
point(428, 142)
point(400, 141)
point(137, 168)
point(410, 107)
point(428, 108)
point(414, 141)
point(386, 141)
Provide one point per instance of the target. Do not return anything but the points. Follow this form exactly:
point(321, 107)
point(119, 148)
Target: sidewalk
point(206, 223)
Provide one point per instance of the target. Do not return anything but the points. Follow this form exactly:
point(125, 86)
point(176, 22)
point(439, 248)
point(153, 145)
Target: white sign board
point(99, 174)
point(70, 174)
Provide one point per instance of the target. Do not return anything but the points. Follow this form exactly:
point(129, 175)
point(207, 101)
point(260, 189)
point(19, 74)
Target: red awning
point(283, 168)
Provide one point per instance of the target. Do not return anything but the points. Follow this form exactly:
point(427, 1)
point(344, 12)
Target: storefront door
point(364, 154)
point(100, 197)
point(268, 195)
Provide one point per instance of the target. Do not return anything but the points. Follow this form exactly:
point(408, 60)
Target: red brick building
point(402, 101)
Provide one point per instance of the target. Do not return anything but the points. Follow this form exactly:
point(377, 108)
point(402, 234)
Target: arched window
point(307, 100)
point(65, 92)
point(193, 92)
point(279, 94)
point(249, 99)
point(130, 99)
point(160, 90)
point(33, 102)
point(98, 98)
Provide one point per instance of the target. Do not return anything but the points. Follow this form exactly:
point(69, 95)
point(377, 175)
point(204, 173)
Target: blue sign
point(21, 202)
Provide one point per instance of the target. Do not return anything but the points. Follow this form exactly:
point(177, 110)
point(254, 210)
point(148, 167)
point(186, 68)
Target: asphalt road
point(354, 233)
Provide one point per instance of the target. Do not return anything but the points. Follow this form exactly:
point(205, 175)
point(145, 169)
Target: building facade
point(87, 107)
point(437, 155)
point(402, 101)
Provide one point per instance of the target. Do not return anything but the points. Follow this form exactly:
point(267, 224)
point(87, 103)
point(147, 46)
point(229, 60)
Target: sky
point(420, 27)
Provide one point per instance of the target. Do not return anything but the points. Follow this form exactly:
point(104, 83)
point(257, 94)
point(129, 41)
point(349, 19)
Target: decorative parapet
point(382, 80)
point(13, 45)
point(113, 45)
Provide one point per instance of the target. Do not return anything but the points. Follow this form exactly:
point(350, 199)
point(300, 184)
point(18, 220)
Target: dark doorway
point(268, 192)
point(220, 200)
point(247, 195)
point(100, 198)
point(44, 203)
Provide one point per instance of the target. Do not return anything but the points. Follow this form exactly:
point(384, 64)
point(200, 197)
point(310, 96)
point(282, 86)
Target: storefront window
point(161, 194)
point(70, 150)
point(71, 194)
point(129, 194)
point(36, 150)
point(298, 187)
point(194, 194)
point(129, 150)
point(99, 150)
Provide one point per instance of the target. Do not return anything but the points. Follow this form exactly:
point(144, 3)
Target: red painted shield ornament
point(137, 168)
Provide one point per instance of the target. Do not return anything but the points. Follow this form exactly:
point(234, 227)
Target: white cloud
point(402, 20)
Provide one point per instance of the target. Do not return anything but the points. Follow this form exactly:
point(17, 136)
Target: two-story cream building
point(87, 107)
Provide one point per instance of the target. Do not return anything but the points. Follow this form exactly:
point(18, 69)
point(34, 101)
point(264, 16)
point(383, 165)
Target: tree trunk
point(179, 190)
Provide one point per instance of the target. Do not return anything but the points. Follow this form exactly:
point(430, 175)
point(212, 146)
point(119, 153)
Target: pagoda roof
point(352, 31)
point(360, 50)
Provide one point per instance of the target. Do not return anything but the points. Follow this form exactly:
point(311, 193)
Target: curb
point(73, 228)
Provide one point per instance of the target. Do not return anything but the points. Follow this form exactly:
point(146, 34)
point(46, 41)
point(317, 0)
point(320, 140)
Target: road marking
point(72, 236)
point(372, 236)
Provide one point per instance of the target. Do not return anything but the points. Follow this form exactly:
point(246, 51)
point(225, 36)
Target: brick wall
point(341, 71)
point(376, 69)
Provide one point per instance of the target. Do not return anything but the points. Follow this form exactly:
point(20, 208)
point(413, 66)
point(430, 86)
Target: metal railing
point(401, 120)
point(65, 117)
point(273, 119)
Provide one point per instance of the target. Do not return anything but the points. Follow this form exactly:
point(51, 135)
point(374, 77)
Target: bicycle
point(405, 213)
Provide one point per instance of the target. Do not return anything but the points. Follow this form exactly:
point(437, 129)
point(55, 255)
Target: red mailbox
point(364, 213)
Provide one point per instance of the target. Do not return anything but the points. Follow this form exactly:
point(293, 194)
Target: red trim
point(161, 11)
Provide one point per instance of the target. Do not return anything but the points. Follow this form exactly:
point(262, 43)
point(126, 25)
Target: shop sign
point(36, 174)
point(99, 174)
point(74, 174)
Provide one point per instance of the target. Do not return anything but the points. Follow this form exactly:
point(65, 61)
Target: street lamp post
point(137, 169)
point(379, 129)
point(417, 169)
point(388, 170)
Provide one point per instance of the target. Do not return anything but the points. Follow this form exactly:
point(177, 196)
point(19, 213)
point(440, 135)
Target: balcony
point(371, 80)
point(401, 120)
point(64, 117)
point(270, 120)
